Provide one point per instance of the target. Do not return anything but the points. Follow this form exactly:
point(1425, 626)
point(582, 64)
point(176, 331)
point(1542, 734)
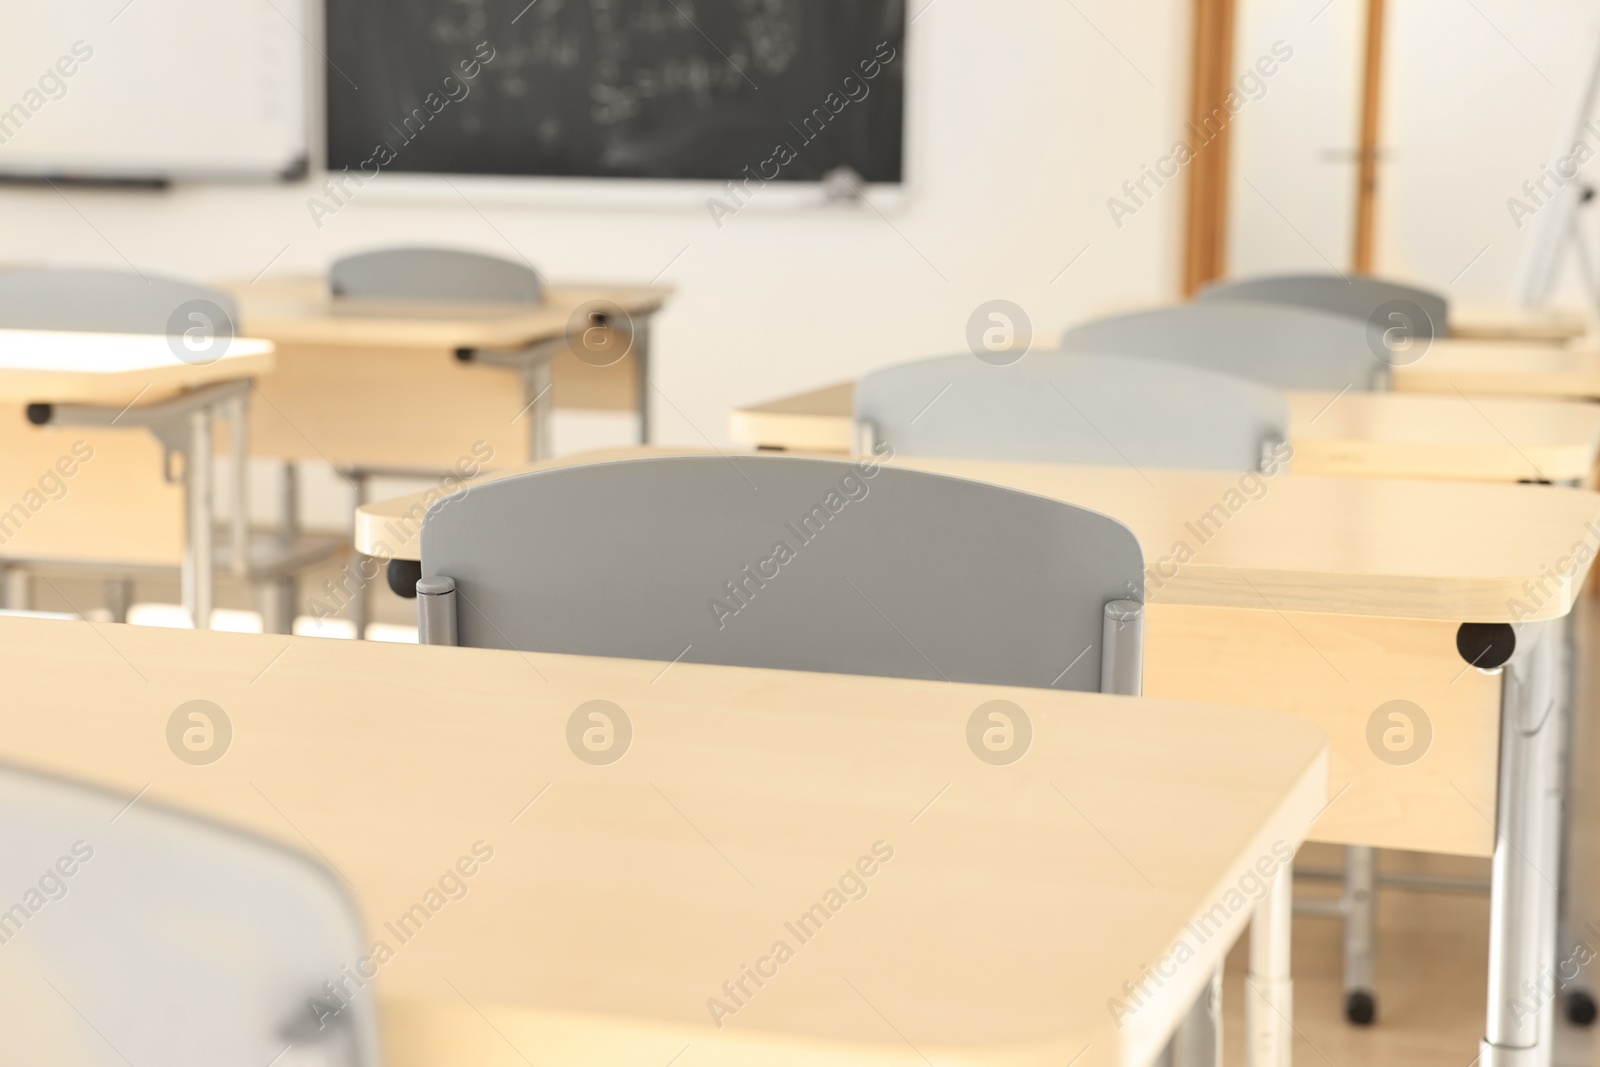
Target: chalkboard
point(785, 90)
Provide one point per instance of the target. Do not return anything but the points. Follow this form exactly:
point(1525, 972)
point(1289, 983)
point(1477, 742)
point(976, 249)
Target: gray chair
point(1358, 296)
point(790, 563)
point(137, 934)
point(1290, 348)
point(106, 301)
point(1071, 407)
point(433, 274)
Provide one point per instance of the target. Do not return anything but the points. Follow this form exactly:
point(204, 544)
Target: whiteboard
point(154, 89)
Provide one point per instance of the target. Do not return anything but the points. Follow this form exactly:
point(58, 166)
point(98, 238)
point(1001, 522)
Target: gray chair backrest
point(1285, 347)
point(110, 301)
point(434, 274)
point(1356, 297)
point(1070, 407)
point(788, 563)
point(182, 942)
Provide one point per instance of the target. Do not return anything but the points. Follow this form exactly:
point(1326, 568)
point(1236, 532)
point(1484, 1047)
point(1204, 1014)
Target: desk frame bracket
point(533, 363)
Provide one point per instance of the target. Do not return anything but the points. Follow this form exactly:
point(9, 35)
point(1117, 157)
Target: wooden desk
point(817, 420)
point(76, 402)
point(1370, 435)
point(373, 384)
point(620, 898)
point(1330, 599)
point(1325, 597)
point(1504, 322)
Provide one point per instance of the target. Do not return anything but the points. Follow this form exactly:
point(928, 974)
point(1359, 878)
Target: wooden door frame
point(1365, 251)
point(1211, 78)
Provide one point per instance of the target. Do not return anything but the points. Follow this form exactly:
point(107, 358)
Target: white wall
point(1293, 175)
point(1474, 98)
point(1477, 95)
point(1026, 115)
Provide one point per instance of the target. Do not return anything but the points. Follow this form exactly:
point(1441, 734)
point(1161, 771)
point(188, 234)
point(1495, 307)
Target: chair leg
point(361, 603)
point(1578, 1001)
point(1360, 871)
point(275, 599)
point(119, 597)
point(18, 589)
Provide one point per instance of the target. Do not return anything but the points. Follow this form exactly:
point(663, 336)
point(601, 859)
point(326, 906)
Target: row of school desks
point(625, 899)
point(369, 387)
point(1326, 597)
point(424, 411)
point(1373, 435)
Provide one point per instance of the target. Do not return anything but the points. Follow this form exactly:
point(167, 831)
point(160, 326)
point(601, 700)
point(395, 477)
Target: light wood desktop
point(375, 384)
point(1372, 435)
point(107, 368)
point(1504, 322)
point(619, 898)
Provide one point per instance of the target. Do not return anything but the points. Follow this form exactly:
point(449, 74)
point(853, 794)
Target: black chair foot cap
point(1581, 1008)
point(1360, 1008)
point(403, 575)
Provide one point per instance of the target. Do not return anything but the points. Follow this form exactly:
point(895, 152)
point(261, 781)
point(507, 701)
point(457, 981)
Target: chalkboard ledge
point(627, 193)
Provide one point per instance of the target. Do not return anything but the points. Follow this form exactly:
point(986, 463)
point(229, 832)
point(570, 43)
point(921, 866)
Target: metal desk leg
point(1359, 905)
point(1198, 1039)
point(18, 589)
point(1269, 989)
point(198, 559)
point(541, 405)
point(237, 414)
point(1527, 873)
point(641, 356)
point(277, 596)
point(119, 598)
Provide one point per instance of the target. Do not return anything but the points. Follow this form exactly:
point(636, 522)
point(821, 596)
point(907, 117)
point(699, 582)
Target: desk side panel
point(1336, 671)
point(113, 507)
point(417, 408)
point(412, 407)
